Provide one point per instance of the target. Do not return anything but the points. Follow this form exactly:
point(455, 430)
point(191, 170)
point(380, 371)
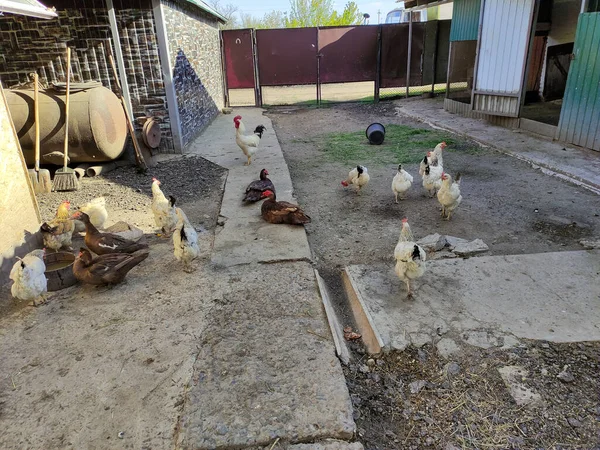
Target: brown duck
point(256, 188)
point(282, 212)
point(106, 269)
point(104, 243)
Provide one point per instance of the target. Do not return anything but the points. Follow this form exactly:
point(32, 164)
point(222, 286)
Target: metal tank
point(97, 127)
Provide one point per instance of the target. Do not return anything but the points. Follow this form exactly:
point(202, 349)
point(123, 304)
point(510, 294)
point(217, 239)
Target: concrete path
point(575, 164)
point(486, 301)
point(245, 237)
point(266, 367)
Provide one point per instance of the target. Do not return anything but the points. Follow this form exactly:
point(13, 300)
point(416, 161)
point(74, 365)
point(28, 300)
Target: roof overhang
point(206, 8)
point(31, 8)
point(422, 4)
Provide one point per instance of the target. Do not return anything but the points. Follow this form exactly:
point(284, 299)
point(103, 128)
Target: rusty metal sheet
point(287, 56)
point(348, 54)
point(239, 60)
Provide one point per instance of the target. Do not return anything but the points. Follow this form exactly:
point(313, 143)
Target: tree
point(274, 19)
point(319, 13)
point(228, 11)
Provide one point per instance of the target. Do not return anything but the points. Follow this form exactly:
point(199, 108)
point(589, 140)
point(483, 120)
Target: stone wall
point(29, 44)
point(195, 52)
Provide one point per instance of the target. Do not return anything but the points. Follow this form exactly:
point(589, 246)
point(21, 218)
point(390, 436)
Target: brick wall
point(29, 44)
point(195, 53)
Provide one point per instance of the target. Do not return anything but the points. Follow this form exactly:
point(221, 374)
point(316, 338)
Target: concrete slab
point(549, 296)
point(245, 237)
point(578, 165)
point(266, 367)
point(328, 445)
point(334, 324)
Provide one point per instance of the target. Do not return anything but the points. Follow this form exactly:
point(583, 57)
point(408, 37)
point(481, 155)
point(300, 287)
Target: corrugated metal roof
point(465, 20)
point(580, 114)
point(31, 8)
point(206, 8)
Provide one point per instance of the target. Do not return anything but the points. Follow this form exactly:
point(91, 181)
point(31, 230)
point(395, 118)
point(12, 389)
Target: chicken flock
point(110, 256)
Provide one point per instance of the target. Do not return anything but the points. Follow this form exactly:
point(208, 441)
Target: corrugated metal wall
point(504, 43)
point(503, 47)
point(580, 114)
point(465, 20)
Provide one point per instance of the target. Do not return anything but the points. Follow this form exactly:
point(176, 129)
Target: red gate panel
point(239, 60)
point(394, 54)
point(287, 56)
point(348, 54)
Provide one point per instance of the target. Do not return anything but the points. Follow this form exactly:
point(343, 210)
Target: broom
point(65, 179)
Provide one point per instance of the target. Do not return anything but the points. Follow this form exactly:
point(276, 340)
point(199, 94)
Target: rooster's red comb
point(405, 220)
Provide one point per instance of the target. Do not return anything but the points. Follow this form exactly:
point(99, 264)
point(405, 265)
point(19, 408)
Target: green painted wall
point(580, 114)
point(465, 20)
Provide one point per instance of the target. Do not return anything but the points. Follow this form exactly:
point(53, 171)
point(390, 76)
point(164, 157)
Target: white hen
point(401, 183)
point(410, 257)
point(436, 158)
point(96, 210)
point(29, 279)
point(449, 195)
point(432, 179)
point(163, 209)
point(359, 177)
point(185, 241)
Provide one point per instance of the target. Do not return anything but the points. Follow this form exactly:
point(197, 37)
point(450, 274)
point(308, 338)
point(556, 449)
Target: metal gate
point(580, 114)
point(391, 57)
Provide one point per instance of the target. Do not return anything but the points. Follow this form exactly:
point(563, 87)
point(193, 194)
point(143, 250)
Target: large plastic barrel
point(97, 127)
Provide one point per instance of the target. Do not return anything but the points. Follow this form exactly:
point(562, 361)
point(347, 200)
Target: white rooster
point(449, 195)
point(185, 241)
point(248, 143)
point(436, 158)
point(163, 209)
point(432, 179)
point(410, 257)
point(29, 279)
point(359, 177)
point(401, 183)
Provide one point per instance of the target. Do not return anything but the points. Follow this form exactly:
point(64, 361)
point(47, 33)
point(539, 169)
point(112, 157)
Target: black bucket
point(375, 133)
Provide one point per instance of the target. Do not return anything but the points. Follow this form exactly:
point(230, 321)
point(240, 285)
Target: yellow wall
point(18, 208)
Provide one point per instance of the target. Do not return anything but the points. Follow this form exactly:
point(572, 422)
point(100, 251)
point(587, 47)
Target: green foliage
point(402, 144)
point(320, 13)
point(304, 13)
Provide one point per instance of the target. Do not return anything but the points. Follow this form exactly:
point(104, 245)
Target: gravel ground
point(195, 182)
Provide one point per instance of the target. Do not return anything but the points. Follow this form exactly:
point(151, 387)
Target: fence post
point(257, 90)
point(435, 54)
point(224, 71)
point(409, 52)
point(378, 68)
point(318, 69)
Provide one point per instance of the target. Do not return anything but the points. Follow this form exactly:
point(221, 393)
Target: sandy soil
point(107, 368)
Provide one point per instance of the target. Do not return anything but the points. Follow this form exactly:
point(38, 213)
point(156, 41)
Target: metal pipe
point(94, 171)
point(410, 27)
point(80, 170)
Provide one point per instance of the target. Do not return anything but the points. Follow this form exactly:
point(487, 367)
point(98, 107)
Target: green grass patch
point(403, 144)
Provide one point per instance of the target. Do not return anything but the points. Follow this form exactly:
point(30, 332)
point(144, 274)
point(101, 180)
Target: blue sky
point(366, 6)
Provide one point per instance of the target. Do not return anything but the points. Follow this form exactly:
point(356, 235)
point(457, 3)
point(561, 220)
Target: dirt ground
point(415, 399)
point(512, 207)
